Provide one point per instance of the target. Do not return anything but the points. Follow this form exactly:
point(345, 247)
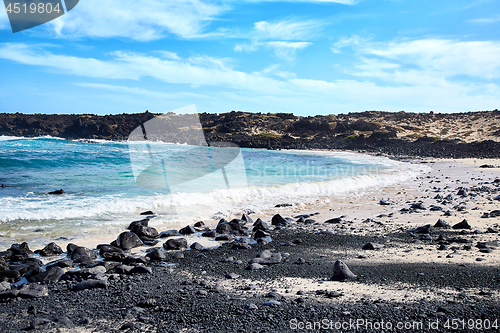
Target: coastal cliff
point(470, 134)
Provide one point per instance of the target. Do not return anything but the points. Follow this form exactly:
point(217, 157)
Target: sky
point(305, 57)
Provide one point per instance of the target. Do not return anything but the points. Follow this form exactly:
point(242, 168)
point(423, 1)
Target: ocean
point(107, 184)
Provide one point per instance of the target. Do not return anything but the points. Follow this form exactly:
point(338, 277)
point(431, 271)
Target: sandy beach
point(428, 278)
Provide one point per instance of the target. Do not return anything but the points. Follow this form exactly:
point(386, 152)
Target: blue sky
point(307, 57)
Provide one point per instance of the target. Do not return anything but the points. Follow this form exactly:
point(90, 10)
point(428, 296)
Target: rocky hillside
point(468, 134)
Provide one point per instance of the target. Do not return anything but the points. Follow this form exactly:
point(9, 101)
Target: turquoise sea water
point(103, 194)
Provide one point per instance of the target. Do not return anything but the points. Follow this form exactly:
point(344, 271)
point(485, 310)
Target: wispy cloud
point(486, 20)
point(284, 38)
point(415, 77)
point(138, 91)
point(142, 20)
point(282, 49)
point(196, 71)
point(439, 58)
point(287, 30)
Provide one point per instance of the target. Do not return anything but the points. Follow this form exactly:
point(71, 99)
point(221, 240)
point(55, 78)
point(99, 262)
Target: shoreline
point(407, 279)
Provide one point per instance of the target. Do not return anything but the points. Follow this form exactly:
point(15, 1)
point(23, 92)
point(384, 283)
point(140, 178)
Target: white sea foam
point(202, 205)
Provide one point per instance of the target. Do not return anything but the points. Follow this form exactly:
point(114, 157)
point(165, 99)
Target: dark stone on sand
point(260, 234)
point(128, 240)
point(136, 260)
point(196, 246)
point(57, 192)
point(169, 233)
point(175, 244)
point(144, 222)
point(435, 208)
point(447, 213)
point(90, 284)
point(384, 203)
point(425, 229)
point(485, 245)
point(178, 255)
point(144, 231)
point(493, 213)
point(20, 249)
point(418, 205)
point(70, 247)
point(141, 270)
point(372, 246)
point(485, 166)
point(462, 192)
point(210, 233)
point(283, 205)
point(260, 225)
point(157, 255)
point(189, 230)
point(10, 276)
point(425, 237)
point(247, 219)
point(442, 247)
point(341, 272)
point(51, 275)
point(9, 294)
point(334, 220)
point(105, 248)
point(462, 225)
point(279, 220)
point(199, 224)
point(442, 224)
point(123, 269)
point(51, 249)
point(148, 212)
point(82, 255)
point(63, 263)
point(223, 227)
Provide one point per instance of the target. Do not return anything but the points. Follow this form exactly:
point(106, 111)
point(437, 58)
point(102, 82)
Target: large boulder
point(128, 240)
point(83, 255)
point(279, 220)
point(144, 222)
point(341, 272)
point(49, 276)
point(51, 249)
point(175, 244)
point(145, 231)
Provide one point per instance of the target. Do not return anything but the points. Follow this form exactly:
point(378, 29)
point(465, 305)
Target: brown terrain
point(469, 134)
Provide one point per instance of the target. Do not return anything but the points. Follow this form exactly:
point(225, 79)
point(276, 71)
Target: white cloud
point(282, 49)
point(413, 89)
point(139, 91)
point(486, 20)
point(284, 38)
point(198, 71)
point(169, 55)
point(141, 20)
point(286, 30)
point(423, 59)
